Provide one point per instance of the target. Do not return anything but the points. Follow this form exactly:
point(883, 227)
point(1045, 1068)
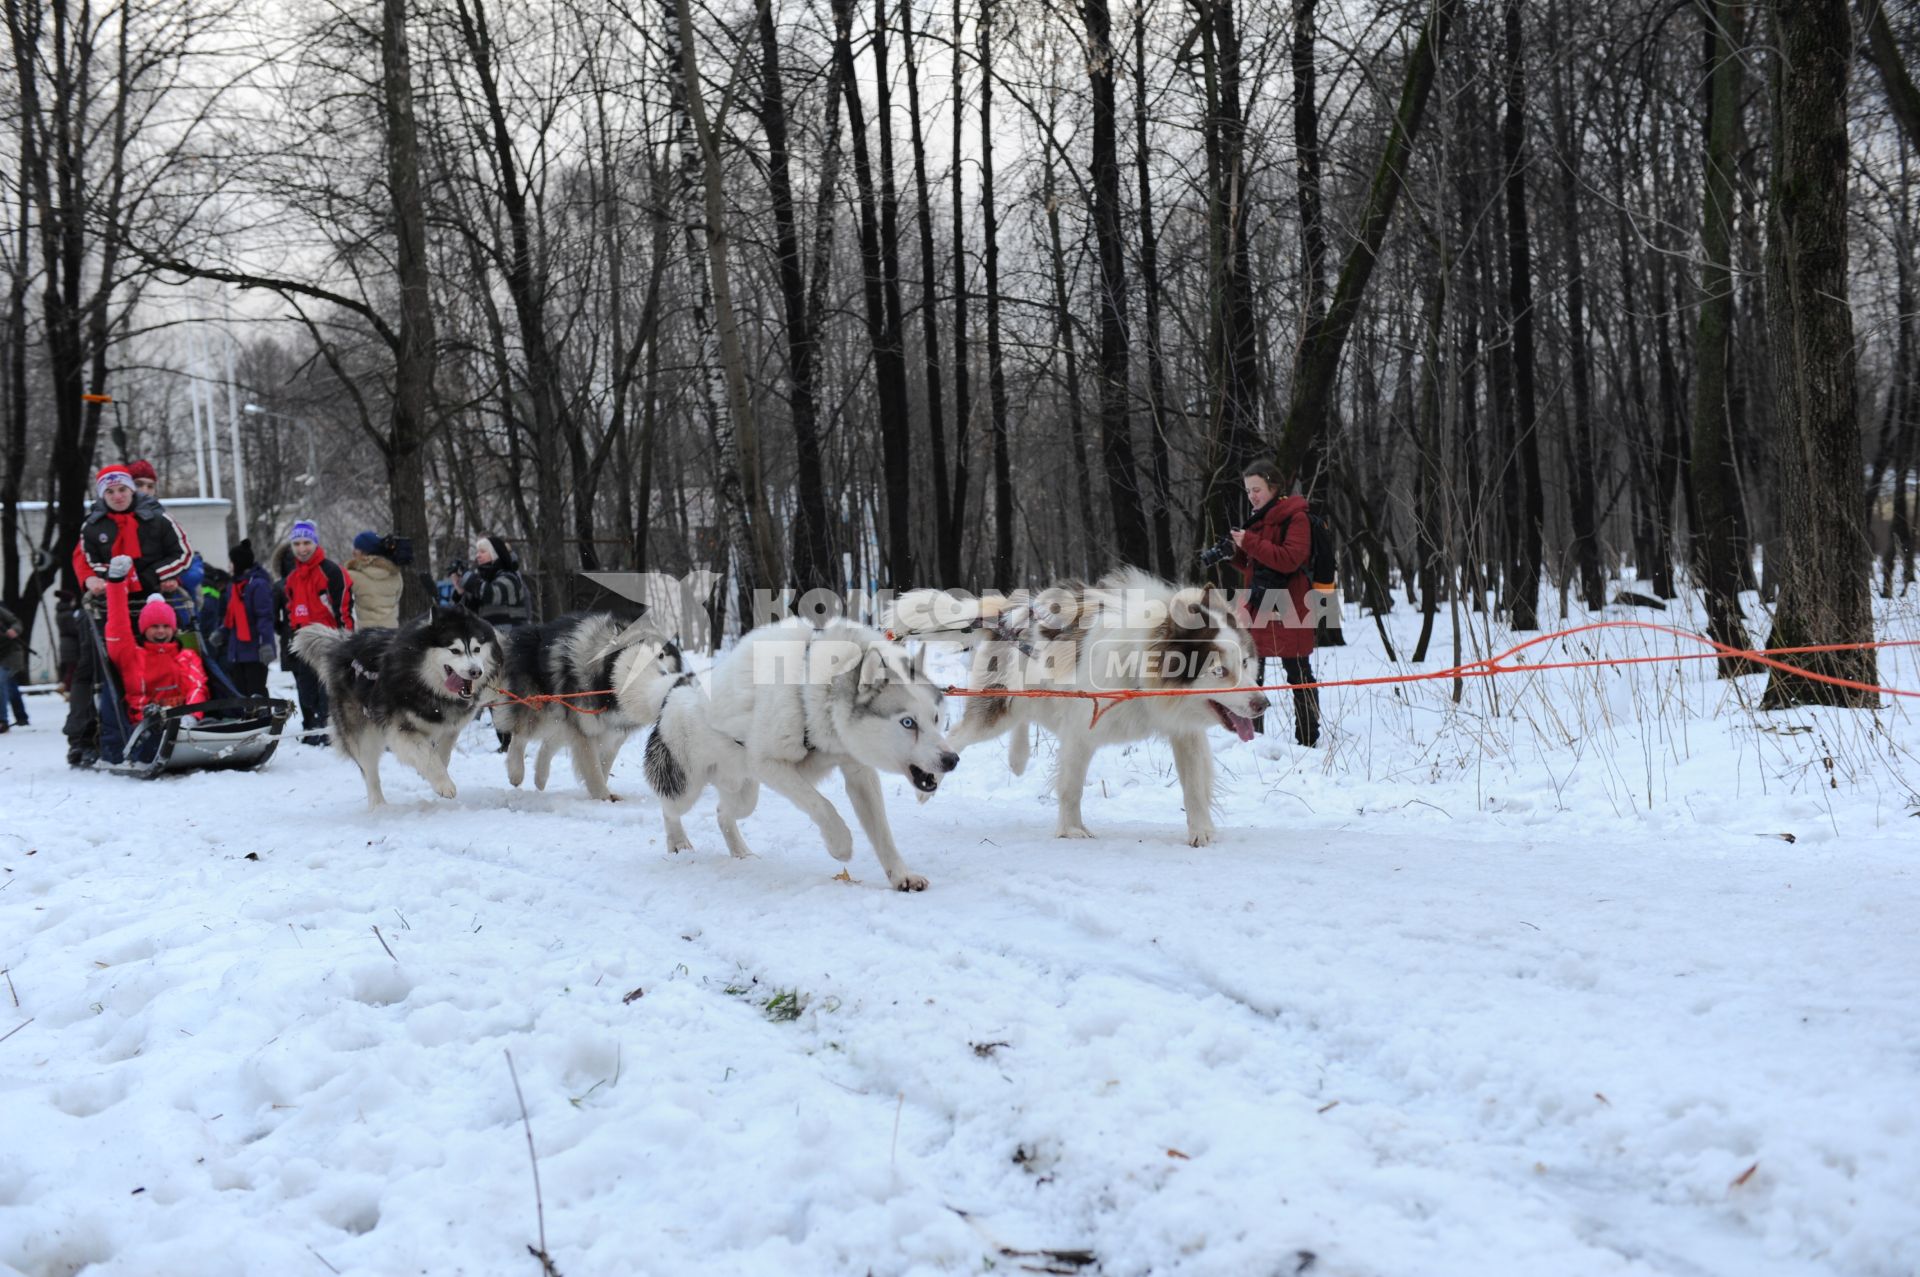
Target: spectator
point(145, 478)
point(377, 582)
point(125, 524)
point(494, 590)
point(316, 592)
point(13, 667)
point(246, 624)
point(1274, 552)
point(66, 624)
point(154, 668)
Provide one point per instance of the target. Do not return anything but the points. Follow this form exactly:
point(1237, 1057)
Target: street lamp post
point(312, 476)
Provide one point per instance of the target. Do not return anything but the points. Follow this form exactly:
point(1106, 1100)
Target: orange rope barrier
point(1489, 666)
point(1486, 667)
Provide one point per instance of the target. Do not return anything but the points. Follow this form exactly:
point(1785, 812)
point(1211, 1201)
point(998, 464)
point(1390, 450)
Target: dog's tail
point(666, 776)
point(322, 647)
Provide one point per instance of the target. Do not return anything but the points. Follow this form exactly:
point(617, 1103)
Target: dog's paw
point(1072, 831)
point(840, 848)
point(1201, 836)
point(446, 789)
point(904, 881)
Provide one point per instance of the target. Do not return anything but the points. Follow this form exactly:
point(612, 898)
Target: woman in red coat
point(1273, 553)
point(154, 670)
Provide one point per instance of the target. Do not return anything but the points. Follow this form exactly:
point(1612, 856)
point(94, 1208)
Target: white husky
point(787, 705)
point(1128, 632)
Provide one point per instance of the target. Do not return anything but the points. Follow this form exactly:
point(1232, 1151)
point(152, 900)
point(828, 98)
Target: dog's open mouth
point(461, 687)
point(924, 781)
point(1239, 724)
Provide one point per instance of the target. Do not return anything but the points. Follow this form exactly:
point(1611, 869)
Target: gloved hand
point(266, 652)
point(118, 567)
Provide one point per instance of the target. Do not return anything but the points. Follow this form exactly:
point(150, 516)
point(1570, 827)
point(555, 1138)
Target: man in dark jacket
point(494, 589)
point(122, 522)
point(246, 622)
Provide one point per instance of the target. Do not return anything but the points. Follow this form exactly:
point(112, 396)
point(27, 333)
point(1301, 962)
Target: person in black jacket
point(495, 590)
point(123, 522)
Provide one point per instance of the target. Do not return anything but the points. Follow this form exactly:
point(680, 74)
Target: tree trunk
point(946, 525)
point(811, 557)
point(1529, 519)
point(1316, 368)
point(1825, 571)
point(1313, 235)
point(1116, 429)
point(950, 570)
point(1232, 346)
point(882, 292)
point(1164, 562)
point(996, 368)
point(1064, 342)
point(1582, 463)
point(1716, 555)
point(410, 425)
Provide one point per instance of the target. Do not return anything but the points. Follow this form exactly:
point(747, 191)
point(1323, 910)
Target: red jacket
point(153, 673)
point(319, 593)
point(1279, 543)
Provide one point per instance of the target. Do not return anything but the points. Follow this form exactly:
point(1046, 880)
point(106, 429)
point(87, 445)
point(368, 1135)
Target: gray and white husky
point(631, 667)
point(1127, 632)
point(790, 703)
point(411, 690)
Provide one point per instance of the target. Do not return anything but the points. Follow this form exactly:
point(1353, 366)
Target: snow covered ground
point(1600, 972)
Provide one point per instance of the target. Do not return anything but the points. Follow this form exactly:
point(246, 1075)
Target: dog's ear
point(873, 675)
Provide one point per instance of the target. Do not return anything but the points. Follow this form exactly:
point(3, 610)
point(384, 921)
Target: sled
point(232, 733)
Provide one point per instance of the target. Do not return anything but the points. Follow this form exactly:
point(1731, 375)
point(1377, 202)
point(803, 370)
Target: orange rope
point(544, 698)
point(1489, 666)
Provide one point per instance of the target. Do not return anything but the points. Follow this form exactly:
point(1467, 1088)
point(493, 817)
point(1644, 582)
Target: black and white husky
point(1128, 632)
point(411, 690)
point(631, 667)
point(789, 704)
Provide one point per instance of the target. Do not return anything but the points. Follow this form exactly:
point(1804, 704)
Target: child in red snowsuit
point(154, 669)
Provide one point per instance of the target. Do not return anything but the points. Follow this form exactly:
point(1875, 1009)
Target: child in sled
point(154, 668)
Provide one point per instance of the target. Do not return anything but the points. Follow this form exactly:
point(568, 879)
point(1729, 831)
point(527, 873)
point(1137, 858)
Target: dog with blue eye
point(790, 703)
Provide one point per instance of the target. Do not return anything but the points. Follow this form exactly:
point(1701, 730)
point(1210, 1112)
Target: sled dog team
point(793, 701)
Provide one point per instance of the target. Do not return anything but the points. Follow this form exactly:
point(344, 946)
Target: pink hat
point(157, 612)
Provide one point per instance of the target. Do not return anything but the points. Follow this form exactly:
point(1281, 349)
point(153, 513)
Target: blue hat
point(367, 543)
point(303, 530)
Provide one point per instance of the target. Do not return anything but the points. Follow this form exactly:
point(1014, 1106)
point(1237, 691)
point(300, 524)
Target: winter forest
point(1530, 297)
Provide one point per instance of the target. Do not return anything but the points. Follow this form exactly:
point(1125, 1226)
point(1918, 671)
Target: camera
point(458, 567)
point(398, 548)
point(1219, 552)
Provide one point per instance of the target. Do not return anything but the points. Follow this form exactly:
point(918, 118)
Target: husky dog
point(786, 706)
point(411, 690)
point(581, 653)
point(1127, 632)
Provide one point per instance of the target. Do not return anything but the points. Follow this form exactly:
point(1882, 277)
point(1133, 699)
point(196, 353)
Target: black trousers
point(249, 676)
point(313, 691)
point(1306, 700)
point(82, 727)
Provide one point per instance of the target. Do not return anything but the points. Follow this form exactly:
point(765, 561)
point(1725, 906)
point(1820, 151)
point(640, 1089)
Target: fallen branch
point(539, 1205)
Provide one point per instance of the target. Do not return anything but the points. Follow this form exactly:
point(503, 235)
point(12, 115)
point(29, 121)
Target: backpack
point(1323, 567)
